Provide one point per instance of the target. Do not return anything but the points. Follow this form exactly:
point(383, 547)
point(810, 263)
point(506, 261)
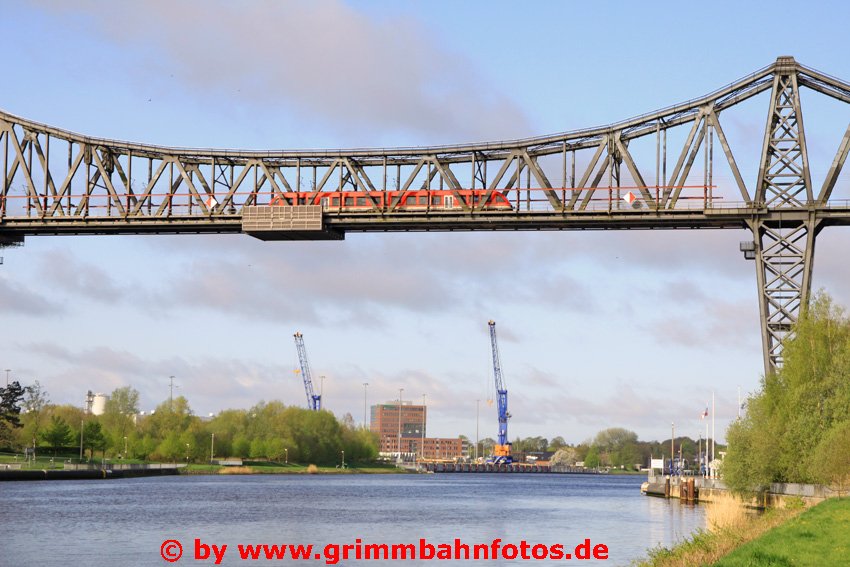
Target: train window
point(349, 201)
point(302, 200)
point(423, 199)
point(411, 200)
point(475, 199)
point(361, 201)
point(324, 202)
point(435, 200)
point(449, 201)
point(335, 201)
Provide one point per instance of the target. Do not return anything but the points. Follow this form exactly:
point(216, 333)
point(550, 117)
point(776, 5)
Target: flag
point(704, 414)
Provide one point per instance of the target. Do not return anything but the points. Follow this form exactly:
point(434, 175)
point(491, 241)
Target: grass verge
point(818, 536)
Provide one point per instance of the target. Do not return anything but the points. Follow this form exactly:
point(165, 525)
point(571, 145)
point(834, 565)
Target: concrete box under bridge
point(284, 222)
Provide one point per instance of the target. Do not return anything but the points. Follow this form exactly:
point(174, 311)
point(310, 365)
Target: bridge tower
point(785, 236)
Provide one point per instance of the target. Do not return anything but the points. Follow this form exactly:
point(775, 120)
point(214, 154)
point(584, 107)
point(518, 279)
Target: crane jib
point(502, 451)
point(314, 402)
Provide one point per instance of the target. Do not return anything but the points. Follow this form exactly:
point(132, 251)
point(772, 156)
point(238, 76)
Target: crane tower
point(314, 402)
point(502, 449)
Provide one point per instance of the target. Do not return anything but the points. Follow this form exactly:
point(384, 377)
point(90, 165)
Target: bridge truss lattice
point(59, 182)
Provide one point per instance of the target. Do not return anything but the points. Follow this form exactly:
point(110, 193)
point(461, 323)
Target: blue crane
point(314, 402)
point(502, 449)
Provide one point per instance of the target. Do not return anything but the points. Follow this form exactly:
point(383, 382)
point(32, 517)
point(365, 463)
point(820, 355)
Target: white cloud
point(19, 299)
point(340, 67)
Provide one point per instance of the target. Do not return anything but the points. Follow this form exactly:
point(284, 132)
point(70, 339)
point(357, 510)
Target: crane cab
point(502, 454)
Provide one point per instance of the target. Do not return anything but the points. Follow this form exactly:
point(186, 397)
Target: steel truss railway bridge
point(612, 177)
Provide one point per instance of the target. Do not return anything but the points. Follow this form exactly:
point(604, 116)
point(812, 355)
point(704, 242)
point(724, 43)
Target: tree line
point(614, 447)
point(797, 425)
point(268, 430)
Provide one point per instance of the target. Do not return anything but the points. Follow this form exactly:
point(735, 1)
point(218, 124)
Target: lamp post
point(365, 386)
point(343, 459)
point(212, 447)
point(187, 453)
point(422, 443)
point(400, 391)
point(286, 456)
point(477, 414)
point(125, 447)
point(672, 447)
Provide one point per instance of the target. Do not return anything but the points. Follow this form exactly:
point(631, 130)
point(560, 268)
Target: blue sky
point(628, 329)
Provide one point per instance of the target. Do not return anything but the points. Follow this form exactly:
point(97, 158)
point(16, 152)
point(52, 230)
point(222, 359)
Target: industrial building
point(96, 403)
point(406, 423)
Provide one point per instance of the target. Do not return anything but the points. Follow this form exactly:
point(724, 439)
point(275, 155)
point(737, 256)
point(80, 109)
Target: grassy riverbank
point(817, 536)
point(249, 467)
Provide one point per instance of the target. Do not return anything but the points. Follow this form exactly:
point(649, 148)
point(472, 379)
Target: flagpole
point(699, 449)
point(713, 431)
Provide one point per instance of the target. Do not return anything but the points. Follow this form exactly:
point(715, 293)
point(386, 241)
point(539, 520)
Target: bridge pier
point(784, 255)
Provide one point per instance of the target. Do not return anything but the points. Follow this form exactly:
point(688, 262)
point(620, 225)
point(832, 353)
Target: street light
point(365, 386)
point(422, 445)
point(286, 456)
point(212, 447)
point(125, 447)
point(477, 414)
point(672, 447)
point(187, 453)
point(400, 391)
point(343, 459)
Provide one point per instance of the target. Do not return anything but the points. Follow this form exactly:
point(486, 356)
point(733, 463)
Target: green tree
point(171, 448)
point(241, 447)
point(616, 446)
point(10, 411)
point(258, 448)
point(58, 434)
point(35, 403)
point(591, 460)
point(832, 458)
point(119, 416)
point(797, 407)
point(167, 418)
point(93, 437)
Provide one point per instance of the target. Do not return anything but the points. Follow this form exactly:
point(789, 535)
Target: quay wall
point(90, 472)
point(713, 490)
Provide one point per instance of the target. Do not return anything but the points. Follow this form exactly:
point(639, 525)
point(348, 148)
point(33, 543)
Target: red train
point(441, 199)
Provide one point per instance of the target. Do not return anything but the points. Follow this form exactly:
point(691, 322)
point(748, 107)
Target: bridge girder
point(59, 182)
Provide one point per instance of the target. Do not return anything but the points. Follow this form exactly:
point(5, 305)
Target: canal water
point(126, 522)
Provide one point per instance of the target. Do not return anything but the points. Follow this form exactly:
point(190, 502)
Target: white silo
point(98, 405)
